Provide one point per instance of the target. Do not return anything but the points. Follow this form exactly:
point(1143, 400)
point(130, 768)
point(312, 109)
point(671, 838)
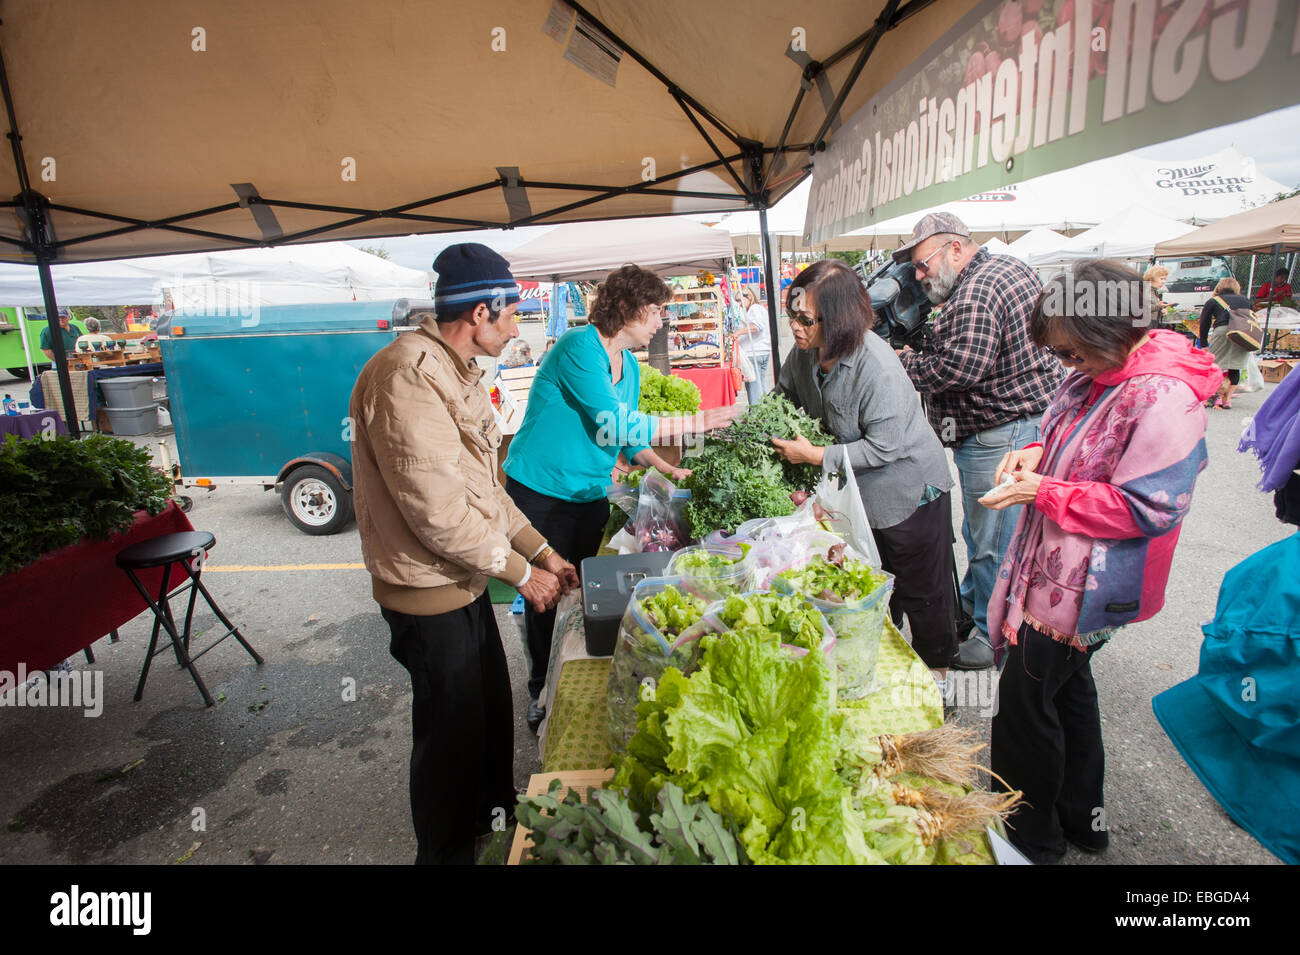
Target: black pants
point(918, 552)
point(462, 728)
point(1047, 743)
point(574, 530)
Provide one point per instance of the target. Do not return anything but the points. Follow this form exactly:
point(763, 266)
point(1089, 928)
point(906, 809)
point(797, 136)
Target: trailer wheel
point(315, 500)
point(19, 373)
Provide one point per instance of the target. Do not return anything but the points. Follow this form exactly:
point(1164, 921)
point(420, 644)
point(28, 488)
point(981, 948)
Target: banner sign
point(1020, 88)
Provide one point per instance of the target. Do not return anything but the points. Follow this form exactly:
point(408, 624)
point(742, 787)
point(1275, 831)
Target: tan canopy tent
point(1271, 229)
point(1261, 230)
point(140, 128)
point(199, 125)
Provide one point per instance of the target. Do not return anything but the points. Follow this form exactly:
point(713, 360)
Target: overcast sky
point(1273, 139)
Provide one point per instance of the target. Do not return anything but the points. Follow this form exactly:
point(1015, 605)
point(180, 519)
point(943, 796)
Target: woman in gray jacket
point(843, 374)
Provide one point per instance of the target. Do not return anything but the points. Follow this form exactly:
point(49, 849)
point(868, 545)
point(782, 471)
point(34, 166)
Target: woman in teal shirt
point(582, 411)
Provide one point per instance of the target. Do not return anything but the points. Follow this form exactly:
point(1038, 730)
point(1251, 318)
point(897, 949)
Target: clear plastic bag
point(648, 644)
point(625, 497)
point(724, 567)
point(660, 515)
point(719, 618)
point(859, 625)
point(841, 506)
point(779, 552)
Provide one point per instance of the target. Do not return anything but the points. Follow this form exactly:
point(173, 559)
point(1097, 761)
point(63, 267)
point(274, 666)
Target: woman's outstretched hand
point(718, 417)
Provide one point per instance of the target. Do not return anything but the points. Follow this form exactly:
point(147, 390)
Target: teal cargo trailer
point(262, 399)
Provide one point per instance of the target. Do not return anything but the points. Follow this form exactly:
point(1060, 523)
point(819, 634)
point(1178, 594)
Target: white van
point(1192, 279)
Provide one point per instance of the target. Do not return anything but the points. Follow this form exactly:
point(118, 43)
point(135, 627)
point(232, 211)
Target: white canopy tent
point(283, 275)
point(1130, 235)
point(1198, 190)
point(1036, 241)
point(591, 250)
point(996, 246)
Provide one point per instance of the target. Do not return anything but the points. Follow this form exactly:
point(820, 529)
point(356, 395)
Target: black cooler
point(607, 585)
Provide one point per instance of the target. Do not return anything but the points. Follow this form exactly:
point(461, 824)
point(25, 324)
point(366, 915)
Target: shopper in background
point(69, 332)
point(850, 379)
point(985, 384)
point(1276, 290)
point(582, 411)
point(1228, 355)
point(755, 336)
point(1156, 277)
point(1106, 492)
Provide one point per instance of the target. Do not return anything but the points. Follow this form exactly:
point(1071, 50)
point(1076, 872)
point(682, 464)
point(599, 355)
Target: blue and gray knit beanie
point(469, 273)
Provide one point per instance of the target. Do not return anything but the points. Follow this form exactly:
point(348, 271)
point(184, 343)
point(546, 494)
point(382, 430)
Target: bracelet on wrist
point(542, 555)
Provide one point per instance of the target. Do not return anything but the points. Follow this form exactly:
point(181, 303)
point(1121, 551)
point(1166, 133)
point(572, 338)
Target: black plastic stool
point(190, 549)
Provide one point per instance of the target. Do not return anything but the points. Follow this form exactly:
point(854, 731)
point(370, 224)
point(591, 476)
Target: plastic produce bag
point(841, 503)
point(858, 622)
point(626, 494)
point(726, 568)
point(660, 629)
point(800, 631)
point(789, 547)
point(660, 519)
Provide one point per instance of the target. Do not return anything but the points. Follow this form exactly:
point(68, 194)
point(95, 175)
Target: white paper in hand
point(994, 493)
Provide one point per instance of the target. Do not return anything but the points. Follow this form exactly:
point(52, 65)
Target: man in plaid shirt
point(986, 386)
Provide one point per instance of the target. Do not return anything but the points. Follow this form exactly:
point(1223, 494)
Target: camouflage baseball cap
point(936, 223)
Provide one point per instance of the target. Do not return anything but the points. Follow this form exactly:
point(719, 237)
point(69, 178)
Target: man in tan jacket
point(435, 524)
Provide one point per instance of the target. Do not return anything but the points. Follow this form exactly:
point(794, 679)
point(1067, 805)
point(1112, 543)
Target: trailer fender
point(337, 465)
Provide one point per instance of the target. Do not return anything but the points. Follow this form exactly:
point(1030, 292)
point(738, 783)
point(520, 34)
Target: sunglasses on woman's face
point(805, 320)
point(1072, 358)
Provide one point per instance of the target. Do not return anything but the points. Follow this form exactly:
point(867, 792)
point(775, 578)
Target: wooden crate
point(539, 783)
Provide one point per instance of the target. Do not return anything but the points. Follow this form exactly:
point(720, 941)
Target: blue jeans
point(986, 533)
point(755, 389)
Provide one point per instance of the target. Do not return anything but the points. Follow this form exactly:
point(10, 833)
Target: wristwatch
point(540, 557)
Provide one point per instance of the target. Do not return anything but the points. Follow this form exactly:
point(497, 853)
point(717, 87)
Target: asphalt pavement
point(304, 759)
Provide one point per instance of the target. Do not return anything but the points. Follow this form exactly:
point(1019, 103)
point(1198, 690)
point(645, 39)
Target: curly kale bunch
point(739, 476)
point(54, 493)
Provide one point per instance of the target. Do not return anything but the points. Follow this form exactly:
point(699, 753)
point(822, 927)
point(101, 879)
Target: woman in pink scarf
point(1123, 442)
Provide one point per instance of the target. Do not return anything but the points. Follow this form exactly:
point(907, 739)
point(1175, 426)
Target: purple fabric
point(1274, 434)
point(29, 424)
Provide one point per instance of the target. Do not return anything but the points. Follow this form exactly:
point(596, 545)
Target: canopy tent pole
point(1272, 293)
point(771, 292)
point(56, 345)
point(1250, 282)
point(27, 346)
point(32, 208)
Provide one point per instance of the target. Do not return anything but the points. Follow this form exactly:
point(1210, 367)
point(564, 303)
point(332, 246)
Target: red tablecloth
point(70, 598)
point(717, 390)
